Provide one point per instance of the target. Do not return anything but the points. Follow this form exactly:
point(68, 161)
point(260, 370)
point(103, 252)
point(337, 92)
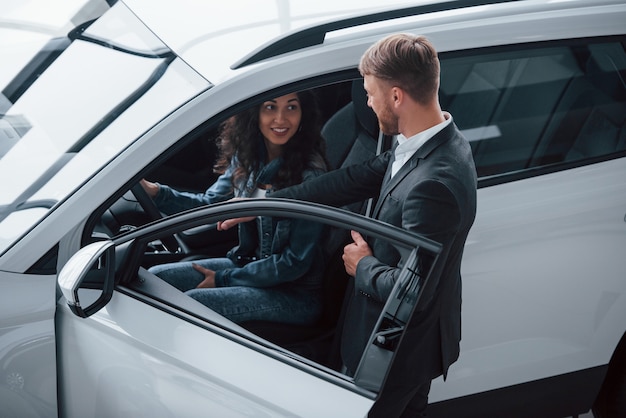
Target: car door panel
point(534, 245)
point(118, 363)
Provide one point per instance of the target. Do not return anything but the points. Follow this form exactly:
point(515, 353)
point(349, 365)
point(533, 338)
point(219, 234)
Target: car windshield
point(77, 89)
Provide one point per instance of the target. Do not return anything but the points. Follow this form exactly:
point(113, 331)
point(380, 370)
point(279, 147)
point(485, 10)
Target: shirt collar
point(409, 146)
point(413, 143)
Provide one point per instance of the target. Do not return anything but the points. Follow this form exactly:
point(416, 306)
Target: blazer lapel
point(390, 183)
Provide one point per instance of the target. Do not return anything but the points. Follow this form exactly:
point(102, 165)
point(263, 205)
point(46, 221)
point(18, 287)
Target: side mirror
point(87, 279)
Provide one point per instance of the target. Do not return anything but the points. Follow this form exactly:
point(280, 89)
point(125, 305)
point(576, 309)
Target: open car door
point(130, 343)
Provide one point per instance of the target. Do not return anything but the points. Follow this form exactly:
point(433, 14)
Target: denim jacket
point(271, 251)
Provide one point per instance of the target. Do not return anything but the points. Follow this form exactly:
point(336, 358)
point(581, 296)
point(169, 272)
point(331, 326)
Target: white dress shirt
point(408, 146)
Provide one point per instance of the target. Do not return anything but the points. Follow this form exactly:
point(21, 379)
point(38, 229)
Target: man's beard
point(388, 122)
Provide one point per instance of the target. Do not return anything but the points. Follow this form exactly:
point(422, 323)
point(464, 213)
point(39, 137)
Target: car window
point(63, 121)
point(190, 168)
point(538, 105)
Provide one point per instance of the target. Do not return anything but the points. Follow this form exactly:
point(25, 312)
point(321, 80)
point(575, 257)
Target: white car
point(99, 94)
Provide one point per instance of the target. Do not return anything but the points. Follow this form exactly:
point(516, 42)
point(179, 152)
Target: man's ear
point(397, 96)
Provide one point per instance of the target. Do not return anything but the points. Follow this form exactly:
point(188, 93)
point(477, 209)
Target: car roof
point(216, 39)
point(213, 36)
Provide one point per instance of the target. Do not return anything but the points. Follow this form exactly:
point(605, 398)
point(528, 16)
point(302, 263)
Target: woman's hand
point(151, 188)
point(209, 277)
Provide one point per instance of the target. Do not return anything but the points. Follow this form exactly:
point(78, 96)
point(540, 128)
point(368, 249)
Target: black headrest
point(364, 114)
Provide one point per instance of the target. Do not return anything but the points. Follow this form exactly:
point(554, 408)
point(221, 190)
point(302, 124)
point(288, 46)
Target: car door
point(131, 344)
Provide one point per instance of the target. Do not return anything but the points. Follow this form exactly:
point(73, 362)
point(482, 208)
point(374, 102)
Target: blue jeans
point(283, 303)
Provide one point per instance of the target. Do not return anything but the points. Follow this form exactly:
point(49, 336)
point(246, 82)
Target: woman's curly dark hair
point(240, 136)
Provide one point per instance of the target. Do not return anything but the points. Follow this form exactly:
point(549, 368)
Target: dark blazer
point(433, 194)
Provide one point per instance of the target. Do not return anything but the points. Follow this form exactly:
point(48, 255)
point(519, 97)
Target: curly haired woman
point(274, 274)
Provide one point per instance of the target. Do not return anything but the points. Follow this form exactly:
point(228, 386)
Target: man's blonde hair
point(406, 61)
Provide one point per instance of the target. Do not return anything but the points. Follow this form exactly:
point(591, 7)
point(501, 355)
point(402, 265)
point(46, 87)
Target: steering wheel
point(150, 208)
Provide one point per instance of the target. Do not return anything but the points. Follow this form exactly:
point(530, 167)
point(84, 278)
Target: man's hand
point(353, 253)
point(229, 223)
point(209, 277)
